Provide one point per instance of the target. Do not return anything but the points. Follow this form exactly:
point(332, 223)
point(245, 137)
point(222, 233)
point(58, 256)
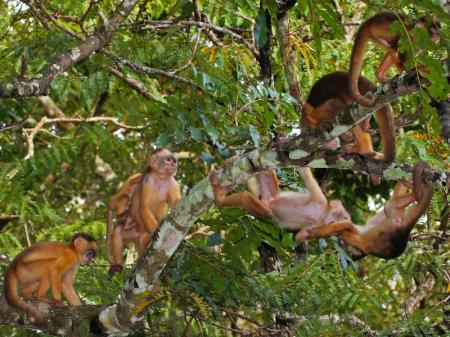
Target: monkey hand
point(376, 179)
point(380, 76)
point(302, 235)
point(219, 191)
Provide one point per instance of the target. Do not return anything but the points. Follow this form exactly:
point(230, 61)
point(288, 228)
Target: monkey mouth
point(86, 261)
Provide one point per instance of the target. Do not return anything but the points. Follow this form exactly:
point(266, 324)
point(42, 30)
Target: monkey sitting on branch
point(331, 95)
point(293, 211)
point(47, 265)
point(140, 205)
point(385, 234)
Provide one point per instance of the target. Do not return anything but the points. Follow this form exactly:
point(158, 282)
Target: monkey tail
point(385, 120)
point(356, 64)
point(423, 193)
point(109, 229)
point(13, 299)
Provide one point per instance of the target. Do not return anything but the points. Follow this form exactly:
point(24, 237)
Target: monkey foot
point(115, 268)
point(219, 191)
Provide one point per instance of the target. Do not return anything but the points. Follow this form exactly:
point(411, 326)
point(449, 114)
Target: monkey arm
point(67, 287)
point(391, 58)
point(147, 217)
point(312, 185)
point(174, 195)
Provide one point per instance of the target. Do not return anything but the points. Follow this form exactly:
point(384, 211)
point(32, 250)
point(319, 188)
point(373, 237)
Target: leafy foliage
point(214, 282)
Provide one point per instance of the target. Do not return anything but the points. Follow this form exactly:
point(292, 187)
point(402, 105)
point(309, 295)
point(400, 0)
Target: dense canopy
point(89, 88)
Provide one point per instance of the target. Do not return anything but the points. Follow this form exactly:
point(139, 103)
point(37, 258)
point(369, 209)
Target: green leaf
point(254, 134)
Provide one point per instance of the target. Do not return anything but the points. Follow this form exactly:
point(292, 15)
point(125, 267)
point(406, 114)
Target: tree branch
point(39, 84)
point(144, 69)
point(31, 133)
point(133, 83)
point(150, 24)
point(288, 53)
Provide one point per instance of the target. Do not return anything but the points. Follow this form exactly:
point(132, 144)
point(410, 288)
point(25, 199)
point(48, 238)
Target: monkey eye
point(90, 253)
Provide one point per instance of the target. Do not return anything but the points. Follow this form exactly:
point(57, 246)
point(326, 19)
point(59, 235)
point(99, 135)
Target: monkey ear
point(78, 242)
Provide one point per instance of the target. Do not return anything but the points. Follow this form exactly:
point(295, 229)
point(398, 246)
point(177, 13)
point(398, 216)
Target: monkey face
point(86, 250)
point(164, 162)
point(88, 256)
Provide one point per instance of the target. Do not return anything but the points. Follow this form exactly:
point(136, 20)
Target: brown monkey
point(378, 29)
point(47, 265)
point(331, 95)
point(142, 203)
point(290, 210)
point(385, 234)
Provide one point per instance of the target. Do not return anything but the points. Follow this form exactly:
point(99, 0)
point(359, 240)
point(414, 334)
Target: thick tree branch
point(39, 84)
point(78, 320)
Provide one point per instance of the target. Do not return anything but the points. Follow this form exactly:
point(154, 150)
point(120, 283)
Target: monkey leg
point(143, 242)
point(120, 237)
point(268, 186)
point(363, 140)
point(27, 292)
point(247, 202)
point(44, 286)
point(244, 200)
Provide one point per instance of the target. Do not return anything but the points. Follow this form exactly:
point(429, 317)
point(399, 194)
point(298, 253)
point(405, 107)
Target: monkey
point(377, 28)
point(293, 211)
point(331, 95)
point(386, 234)
point(141, 203)
point(119, 203)
point(47, 265)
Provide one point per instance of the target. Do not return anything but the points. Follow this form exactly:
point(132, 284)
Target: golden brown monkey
point(142, 203)
point(331, 95)
point(378, 29)
point(385, 234)
point(47, 265)
point(290, 210)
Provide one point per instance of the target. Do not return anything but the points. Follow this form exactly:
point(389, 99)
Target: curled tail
point(356, 63)
point(385, 120)
point(423, 193)
point(13, 299)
